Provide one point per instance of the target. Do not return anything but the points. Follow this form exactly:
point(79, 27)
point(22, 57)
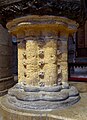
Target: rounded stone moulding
point(35, 21)
point(42, 68)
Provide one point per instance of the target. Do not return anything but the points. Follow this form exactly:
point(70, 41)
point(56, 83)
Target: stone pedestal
point(42, 64)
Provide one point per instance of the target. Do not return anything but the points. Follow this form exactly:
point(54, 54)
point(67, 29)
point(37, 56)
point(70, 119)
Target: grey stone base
point(40, 98)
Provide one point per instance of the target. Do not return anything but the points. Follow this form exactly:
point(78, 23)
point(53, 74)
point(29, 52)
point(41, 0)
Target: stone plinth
point(75, 112)
point(42, 64)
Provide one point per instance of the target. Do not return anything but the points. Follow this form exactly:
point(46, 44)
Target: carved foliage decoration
point(67, 8)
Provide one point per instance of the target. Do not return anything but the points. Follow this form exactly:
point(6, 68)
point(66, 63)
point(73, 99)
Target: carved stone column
point(42, 63)
point(40, 58)
point(42, 48)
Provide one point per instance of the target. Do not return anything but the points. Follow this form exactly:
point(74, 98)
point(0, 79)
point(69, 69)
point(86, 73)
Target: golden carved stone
point(44, 41)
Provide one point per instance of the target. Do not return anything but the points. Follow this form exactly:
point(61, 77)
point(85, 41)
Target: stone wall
point(86, 34)
point(6, 60)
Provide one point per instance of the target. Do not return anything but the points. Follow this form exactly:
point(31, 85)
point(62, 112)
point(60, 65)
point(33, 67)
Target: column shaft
point(50, 58)
point(63, 57)
point(32, 63)
point(21, 62)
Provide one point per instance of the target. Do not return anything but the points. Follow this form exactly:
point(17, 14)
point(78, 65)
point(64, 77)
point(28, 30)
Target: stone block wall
point(6, 60)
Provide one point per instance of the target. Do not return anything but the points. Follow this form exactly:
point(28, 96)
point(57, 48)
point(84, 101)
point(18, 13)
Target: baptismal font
point(42, 63)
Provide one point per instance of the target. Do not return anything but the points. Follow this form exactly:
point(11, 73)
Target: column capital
point(36, 24)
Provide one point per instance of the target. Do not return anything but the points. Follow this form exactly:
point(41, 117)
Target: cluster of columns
point(42, 49)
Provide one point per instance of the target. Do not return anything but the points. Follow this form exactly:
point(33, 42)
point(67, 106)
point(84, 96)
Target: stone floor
point(0, 117)
point(75, 112)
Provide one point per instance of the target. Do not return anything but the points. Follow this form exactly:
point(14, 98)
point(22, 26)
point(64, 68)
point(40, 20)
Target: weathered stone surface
point(40, 100)
point(77, 111)
point(21, 70)
point(30, 88)
point(39, 59)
